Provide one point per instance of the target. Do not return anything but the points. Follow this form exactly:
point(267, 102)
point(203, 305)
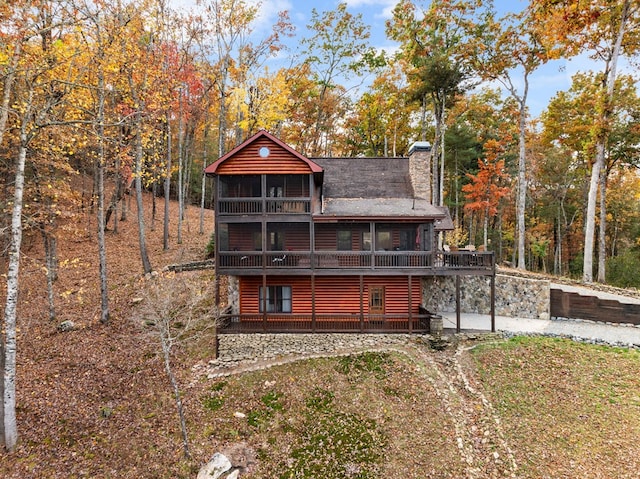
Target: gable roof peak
point(213, 167)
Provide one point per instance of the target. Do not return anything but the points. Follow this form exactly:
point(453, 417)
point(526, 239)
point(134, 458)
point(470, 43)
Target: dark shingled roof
point(371, 188)
point(380, 208)
point(366, 177)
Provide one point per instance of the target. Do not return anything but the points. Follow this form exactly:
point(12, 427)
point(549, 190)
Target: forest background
point(132, 96)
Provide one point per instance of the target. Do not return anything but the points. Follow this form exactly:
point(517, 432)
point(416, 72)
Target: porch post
point(410, 306)
point(264, 302)
point(361, 303)
point(313, 303)
point(457, 303)
point(493, 303)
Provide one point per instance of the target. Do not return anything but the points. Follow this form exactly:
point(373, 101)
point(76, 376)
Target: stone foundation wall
point(233, 294)
point(515, 297)
point(249, 352)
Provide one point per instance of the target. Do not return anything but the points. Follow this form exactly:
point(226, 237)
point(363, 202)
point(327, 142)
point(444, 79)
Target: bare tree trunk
point(102, 245)
point(154, 191)
point(123, 211)
point(166, 352)
point(180, 167)
point(9, 79)
point(50, 255)
point(144, 256)
point(522, 175)
point(602, 232)
point(596, 169)
point(609, 80)
point(485, 228)
point(423, 119)
point(202, 196)
point(204, 177)
point(443, 129)
point(9, 432)
point(118, 193)
point(167, 188)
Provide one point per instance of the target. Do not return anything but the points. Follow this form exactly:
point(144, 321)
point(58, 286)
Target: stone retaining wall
point(515, 297)
point(240, 347)
point(248, 352)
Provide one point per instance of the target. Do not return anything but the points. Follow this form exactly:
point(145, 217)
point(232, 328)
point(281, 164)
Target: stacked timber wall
point(573, 305)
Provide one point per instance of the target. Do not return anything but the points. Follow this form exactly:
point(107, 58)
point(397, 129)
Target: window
point(278, 299)
point(376, 300)
point(407, 240)
point(366, 241)
point(427, 237)
point(276, 241)
point(383, 240)
point(288, 186)
point(257, 240)
point(240, 186)
point(275, 186)
point(344, 240)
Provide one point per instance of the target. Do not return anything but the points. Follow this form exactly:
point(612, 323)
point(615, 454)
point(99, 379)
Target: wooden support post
point(264, 302)
point(361, 303)
point(458, 303)
point(410, 307)
point(493, 303)
point(313, 302)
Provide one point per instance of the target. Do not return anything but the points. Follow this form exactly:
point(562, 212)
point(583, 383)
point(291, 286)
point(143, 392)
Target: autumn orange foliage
point(484, 192)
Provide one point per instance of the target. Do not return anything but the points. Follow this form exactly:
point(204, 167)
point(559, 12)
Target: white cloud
point(384, 12)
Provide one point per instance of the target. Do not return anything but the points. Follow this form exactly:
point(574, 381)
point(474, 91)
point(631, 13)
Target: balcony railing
point(256, 206)
point(356, 260)
point(325, 323)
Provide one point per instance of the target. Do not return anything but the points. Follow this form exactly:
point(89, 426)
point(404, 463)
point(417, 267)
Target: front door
point(376, 300)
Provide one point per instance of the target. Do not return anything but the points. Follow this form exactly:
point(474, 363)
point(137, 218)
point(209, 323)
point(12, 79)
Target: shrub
point(211, 246)
point(624, 270)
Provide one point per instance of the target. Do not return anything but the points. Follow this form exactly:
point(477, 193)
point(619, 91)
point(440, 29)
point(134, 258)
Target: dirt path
point(481, 442)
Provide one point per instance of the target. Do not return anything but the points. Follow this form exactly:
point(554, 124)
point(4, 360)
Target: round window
point(264, 152)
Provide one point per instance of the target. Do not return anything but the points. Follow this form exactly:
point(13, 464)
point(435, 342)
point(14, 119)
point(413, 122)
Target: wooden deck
point(356, 262)
point(418, 324)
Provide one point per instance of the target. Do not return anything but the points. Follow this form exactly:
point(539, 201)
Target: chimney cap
point(420, 146)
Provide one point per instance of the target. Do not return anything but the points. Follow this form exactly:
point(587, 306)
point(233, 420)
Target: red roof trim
point(213, 167)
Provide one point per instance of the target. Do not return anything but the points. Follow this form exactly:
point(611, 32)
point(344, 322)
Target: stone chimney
point(420, 169)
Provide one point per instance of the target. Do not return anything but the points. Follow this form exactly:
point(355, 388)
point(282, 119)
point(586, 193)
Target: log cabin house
point(330, 244)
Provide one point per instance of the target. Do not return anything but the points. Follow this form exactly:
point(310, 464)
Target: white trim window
point(278, 299)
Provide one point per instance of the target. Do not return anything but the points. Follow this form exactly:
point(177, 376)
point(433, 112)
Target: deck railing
point(326, 323)
point(356, 260)
point(256, 206)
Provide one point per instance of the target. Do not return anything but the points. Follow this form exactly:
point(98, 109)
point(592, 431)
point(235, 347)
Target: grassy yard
point(522, 408)
point(568, 410)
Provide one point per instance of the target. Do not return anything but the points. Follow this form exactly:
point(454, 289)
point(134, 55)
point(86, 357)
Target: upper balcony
point(258, 206)
point(264, 194)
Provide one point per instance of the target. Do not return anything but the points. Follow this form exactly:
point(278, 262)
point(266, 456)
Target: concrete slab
point(614, 334)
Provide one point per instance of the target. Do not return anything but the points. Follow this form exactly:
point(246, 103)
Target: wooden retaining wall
point(576, 306)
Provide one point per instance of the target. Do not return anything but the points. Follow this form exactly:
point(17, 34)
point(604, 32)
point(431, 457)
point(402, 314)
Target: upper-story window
point(407, 240)
point(384, 240)
point(366, 241)
point(240, 186)
point(344, 240)
point(287, 186)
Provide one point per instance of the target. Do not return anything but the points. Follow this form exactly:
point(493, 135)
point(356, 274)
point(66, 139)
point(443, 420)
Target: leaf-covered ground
point(569, 410)
point(95, 402)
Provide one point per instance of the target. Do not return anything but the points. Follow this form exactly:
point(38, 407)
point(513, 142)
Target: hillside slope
point(93, 402)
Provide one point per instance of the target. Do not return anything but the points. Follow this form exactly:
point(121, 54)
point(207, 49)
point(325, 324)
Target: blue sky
point(543, 85)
